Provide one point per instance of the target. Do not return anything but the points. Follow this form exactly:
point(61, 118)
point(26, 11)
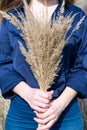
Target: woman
point(58, 108)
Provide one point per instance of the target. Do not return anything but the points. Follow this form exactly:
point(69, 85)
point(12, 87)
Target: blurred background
point(82, 4)
point(83, 102)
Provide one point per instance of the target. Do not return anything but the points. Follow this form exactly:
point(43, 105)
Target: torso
point(42, 12)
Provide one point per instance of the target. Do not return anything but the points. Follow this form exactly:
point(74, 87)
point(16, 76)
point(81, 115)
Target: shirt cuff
point(8, 82)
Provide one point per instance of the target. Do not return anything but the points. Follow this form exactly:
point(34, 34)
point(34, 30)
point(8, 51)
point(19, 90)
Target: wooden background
point(83, 104)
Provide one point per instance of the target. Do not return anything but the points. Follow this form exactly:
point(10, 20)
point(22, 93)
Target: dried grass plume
point(44, 43)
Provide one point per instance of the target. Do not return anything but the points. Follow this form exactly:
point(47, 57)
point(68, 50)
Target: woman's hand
point(48, 118)
point(39, 100)
point(36, 98)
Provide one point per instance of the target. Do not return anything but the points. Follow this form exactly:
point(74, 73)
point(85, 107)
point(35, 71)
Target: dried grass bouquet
point(44, 42)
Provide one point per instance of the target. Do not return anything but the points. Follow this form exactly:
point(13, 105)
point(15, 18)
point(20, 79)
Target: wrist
point(66, 97)
point(21, 89)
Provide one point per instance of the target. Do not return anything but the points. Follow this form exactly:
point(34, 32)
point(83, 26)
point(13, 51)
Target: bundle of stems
point(44, 42)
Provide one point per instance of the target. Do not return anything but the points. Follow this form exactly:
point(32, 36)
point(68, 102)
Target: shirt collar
point(56, 11)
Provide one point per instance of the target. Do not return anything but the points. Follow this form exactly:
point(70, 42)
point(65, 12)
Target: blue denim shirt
point(14, 68)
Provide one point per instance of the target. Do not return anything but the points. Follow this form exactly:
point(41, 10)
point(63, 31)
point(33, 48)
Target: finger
point(41, 105)
point(50, 94)
point(46, 114)
point(41, 115)
point(47, 126)
point(47, 95)
point(39, 109)
point(45, 129)
point(41, 99)
point(44, 121)
point(43, 94)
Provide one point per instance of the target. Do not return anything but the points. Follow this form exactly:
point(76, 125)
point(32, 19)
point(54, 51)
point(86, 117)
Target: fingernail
point(34, 119)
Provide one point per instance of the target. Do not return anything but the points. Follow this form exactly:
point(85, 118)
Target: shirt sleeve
point(78, 77)
point(9, 78)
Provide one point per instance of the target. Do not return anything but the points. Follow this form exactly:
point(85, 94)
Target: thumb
point(50, 93)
